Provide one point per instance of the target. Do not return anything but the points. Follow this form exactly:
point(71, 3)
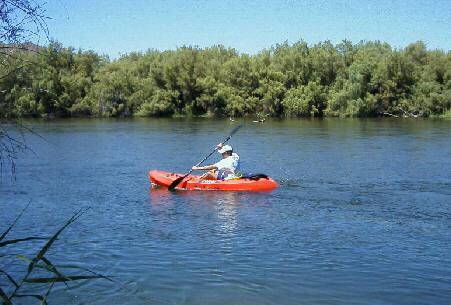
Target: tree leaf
point(50, 242)
point(68, 278)
point(85, 269)
point(15, 221)
point(5, 298)
point(18, 240)
point(36, 296)
point(10, 278)
point(53, 269)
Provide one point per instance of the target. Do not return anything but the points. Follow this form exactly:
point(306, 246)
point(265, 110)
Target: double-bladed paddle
point(178, 180)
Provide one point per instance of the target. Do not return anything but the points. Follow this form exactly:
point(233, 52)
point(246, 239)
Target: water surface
point(362, 216)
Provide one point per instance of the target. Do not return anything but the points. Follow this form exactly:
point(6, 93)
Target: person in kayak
point(226, 168)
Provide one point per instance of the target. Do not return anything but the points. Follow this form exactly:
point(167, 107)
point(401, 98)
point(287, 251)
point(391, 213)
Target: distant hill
point(26, 46)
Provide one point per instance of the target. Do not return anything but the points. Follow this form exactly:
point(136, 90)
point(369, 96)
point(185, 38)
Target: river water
point(362, 214)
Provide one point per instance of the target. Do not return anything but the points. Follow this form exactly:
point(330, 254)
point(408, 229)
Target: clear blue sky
point(118, 27)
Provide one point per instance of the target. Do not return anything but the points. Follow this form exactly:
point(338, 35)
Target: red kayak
point(192, 182)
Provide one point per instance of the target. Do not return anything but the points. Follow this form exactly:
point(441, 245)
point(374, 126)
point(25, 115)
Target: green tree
point(304, 101)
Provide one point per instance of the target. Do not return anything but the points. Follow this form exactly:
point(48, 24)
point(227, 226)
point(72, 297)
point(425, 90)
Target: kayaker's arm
point(207, 167)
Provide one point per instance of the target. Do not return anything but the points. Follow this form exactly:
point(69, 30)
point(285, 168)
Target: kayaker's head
point(226, 151)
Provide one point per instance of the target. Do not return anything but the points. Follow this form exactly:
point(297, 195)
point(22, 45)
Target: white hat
point(225, 148)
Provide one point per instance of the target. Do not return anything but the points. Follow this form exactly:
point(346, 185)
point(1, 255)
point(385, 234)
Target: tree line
point(366, 79)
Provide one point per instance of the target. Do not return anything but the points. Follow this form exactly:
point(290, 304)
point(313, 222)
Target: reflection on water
point(159, 196)
point(227, 207)
point(362, 214)
point(225, 204)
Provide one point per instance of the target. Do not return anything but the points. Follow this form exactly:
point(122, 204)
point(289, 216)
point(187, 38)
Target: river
point(362, 214)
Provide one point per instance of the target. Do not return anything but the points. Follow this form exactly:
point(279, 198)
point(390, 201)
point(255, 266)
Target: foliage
point(359, 80)
point(309, 100)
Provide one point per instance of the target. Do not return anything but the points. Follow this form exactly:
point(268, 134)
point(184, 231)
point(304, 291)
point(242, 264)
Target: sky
point(117, 27)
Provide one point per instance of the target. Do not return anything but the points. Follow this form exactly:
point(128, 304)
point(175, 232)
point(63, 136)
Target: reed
point(55, 273)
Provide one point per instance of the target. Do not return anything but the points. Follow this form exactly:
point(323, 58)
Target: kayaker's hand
point(219, 146)
point(194, 168)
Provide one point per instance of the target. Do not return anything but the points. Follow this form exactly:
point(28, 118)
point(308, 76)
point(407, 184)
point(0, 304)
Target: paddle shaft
point(178, 180)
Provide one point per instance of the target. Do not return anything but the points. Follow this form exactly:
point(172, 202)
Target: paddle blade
point(235, 130)
point(175, 183)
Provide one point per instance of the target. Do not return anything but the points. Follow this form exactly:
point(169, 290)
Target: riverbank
point(246, 120)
